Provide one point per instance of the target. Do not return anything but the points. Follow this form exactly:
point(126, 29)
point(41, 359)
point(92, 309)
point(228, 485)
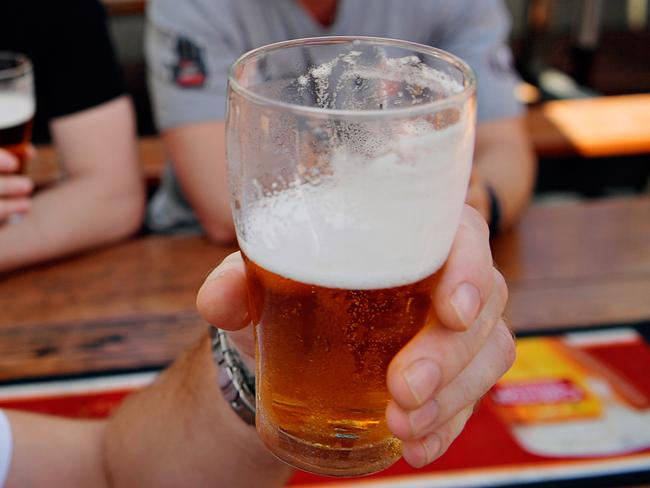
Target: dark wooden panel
point(85, 346)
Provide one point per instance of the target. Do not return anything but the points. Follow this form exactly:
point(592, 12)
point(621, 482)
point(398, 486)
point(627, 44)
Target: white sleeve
point(6, 448)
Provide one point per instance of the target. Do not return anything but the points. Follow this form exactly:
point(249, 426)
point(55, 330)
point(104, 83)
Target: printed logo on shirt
point(500, 61)
point(189, 71)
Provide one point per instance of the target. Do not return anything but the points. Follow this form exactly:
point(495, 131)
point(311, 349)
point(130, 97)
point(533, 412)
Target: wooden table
point(132, 305)
point(578, 264)
point(591, 127)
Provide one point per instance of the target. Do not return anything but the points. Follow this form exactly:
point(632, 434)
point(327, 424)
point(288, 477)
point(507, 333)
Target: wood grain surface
point(578, 264)
point(132, 305)
point(591, 127)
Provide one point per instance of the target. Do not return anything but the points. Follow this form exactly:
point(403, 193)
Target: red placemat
point(591, 391)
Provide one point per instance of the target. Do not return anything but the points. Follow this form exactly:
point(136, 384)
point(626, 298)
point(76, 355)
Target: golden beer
point(323, 354)
point(16, 139)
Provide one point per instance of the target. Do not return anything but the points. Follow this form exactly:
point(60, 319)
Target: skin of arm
point(100, 200)
point(190, 437)
point(46, 460)
point(178, 432)
point(199, 155)
point(503, 160)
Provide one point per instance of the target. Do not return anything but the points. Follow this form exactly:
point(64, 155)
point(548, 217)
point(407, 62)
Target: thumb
point(222, 299)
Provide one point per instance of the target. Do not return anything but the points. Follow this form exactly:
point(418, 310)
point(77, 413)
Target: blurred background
point(563, 49)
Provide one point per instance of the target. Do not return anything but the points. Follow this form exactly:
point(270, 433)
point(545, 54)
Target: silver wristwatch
point(236, 382)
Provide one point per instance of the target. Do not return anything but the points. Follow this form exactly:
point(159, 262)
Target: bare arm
point(100, 200)
point(199, 155)
point(178, 432)
point(51, 451)
point(503, 160)
point(181, 432)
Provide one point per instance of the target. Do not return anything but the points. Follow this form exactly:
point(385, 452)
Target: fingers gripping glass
point(348, 163)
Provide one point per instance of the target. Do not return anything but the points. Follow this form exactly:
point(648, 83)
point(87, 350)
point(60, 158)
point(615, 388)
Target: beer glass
point(349, 160)
point(17, 105)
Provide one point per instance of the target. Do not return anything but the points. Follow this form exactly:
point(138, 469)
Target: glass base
point(326, 460)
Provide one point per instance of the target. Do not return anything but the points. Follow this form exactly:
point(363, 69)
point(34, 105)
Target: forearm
point(198, 152)
point(181, 432)
point(50, 451)
point(76, 214)
point(505, 161)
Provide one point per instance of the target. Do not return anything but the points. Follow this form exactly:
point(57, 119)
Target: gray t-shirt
point(190, 45)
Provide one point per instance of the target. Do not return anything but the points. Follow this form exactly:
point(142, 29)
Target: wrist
point(237, 407)
point(189, 435)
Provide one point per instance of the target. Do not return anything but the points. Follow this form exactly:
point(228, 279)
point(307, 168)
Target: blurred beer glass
point(349, 160)
point(17, 105)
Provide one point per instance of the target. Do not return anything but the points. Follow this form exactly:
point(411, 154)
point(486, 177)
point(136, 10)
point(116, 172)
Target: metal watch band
point(237, 384)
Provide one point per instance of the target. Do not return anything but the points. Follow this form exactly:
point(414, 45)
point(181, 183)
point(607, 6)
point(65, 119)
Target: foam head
point(15, 109)
point(364, 189)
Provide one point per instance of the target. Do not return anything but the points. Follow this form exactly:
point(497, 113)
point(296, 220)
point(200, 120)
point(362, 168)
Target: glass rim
point(24, 65)
point(457, 98)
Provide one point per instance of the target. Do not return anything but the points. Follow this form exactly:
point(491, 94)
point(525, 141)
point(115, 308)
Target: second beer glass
point(17, 105)
point(349, 160)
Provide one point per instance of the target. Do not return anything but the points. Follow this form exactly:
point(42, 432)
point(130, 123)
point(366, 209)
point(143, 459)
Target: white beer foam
point(370, 222)
point(15, 109)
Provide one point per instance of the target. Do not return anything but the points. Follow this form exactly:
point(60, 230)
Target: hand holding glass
point(349, 160)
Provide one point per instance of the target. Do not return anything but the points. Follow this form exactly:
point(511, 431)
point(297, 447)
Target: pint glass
point(349, 160)
point(17, 105)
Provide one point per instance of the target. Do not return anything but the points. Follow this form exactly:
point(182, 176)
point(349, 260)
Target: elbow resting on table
point(132, 218)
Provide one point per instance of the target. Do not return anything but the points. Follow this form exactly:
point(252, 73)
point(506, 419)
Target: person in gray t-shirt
point(190, 46)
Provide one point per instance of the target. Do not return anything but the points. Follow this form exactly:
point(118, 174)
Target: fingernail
point(422, 378)
point(431, 445)
point(466, 301)
point(219, 271)
point(24, 185)
point(423, 417)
